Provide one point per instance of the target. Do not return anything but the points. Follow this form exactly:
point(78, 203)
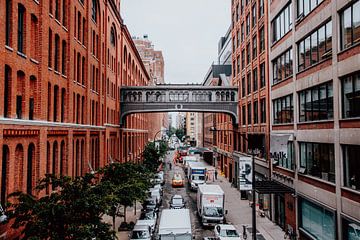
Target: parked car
point(177, 180)
point(151, 217)
point(156, 192)
point(141, 232)
point(177, 202)
point(150, 204)
point(211, 238)
point(158, 186)
point(226, 232)
point(159, 178)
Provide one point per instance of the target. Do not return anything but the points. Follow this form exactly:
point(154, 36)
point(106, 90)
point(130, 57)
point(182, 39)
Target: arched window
point(48, 162)
point(63, 95)
point(7, 92)
point(4, 172)
point(20, 94)
point(77, 160)
point(19, 161)
point(56, 100)
point(30, 170)
point(63, 57)
point(112, 37)
point(56, 53)
point(55, 158)
point(94, 11)
point(62, 159)
point(32, 97)
point(82, 157)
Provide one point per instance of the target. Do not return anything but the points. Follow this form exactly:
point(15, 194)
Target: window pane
point(307, 52)
point(301, 55)
point(323, 114)
point(356, 22)
point(347, 92)
point(330, 101)
point(315, 103)
point(308, 111)
point(328, 36)
point(321, 38)
point(306, 7)
point(302, 106)
point(346, 28)
point(300, 7)
point(314, 48)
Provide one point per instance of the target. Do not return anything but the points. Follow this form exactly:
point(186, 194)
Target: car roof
point(177, 196)
point(227, 226)
point(353, 225)
point(141, 227)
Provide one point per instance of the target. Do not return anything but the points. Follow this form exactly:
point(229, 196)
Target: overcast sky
point(187, 32)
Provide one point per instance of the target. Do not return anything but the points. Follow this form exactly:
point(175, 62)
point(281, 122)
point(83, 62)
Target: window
point(304, 7)
point(262, 75)
point(248, 54)
point(4, 172)
point(7, 92)
point(79, 26)
point(21, 28)
point(316, 103)
point(242, 32)
point(283, 110)
point(94, 10)
point(253, 14)
point(8, 22)
point(316, 220)
point(315, 47)
point(63, 95)
point(262, 39)
point(63, 57)
point(243, 113)
point(29, 174)
point(261, 8)
point(256, 117)
point(242, 6)
point(288, 161)
point(238, 64)
point(57, 9)
point(247, 24)
point(50, 48)
point(248, 83)
point(112, 37)
point(255, 80)
point(351, 229)
point(351, 96)
point(31, 108)
point(243, 88)
point(254, 45)
point(263, 110)
point(243, 59)
point(56, 96)
point(282, 66)
point(351, 166)
point(350, 25)
point(49, 102)
point(282, 23)
point(237, 12)
point(34, 37)
point(318, 160)
point(18, 107)
point(249, 113)
point(56, 53)
point(64, 17)
point(238, 38)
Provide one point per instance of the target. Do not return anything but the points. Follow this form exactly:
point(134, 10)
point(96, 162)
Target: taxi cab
point(177, 180)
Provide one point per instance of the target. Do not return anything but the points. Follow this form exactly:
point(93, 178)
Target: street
point(190, 197)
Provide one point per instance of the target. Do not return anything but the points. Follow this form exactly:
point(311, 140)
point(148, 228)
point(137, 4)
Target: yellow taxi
point(177, 180)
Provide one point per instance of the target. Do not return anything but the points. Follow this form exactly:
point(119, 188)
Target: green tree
point(124, 184)
point(180, 133)
point(151, 157)
point(73, 211)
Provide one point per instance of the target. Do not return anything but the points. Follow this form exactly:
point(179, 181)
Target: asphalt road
point(190, 198)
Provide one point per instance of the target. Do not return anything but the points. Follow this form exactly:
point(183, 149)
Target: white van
point(141, 232)
point(175, 224)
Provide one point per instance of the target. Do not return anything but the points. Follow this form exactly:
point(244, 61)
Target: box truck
point(211, 204)
point(175, 224)
point(196, 173)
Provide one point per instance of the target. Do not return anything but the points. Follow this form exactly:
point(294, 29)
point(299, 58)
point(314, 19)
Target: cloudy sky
point(187, 31)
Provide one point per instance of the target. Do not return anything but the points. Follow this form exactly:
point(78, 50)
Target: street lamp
point(213, 129)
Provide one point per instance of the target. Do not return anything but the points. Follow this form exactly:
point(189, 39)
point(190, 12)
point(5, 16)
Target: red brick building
point(62, 64)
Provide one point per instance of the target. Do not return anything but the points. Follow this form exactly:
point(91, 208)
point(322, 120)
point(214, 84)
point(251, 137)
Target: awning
point(271, 186)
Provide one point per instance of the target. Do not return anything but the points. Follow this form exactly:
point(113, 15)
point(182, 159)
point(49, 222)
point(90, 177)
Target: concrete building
point(62, 65)
point(194, 128)
point(315, 82)
point(154, 64)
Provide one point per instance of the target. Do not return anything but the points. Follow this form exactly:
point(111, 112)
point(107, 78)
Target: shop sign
point(278, 147)
point(245, 173)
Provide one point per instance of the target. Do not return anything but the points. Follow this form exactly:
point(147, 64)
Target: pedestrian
point(216, 174)
point(170, 165)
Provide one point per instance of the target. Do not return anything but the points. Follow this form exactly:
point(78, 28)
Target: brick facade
point(62, 65)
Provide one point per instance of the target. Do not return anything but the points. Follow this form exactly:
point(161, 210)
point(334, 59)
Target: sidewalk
point(240, 213)
point(130, 217)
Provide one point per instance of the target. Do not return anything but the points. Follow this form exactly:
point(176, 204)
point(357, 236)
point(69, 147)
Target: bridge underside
point(179, 98)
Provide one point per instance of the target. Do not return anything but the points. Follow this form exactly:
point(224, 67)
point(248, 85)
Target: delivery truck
point(196, 173)
point(211, 204)
point(175, 224)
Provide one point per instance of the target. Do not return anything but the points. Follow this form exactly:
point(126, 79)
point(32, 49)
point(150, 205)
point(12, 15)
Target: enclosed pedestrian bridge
point(179, 98)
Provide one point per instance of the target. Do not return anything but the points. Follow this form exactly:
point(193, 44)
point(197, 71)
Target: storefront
point(316, 221)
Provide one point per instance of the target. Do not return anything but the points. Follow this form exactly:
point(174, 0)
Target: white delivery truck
point(196, 174)
point(175, 224)
point(210, 204)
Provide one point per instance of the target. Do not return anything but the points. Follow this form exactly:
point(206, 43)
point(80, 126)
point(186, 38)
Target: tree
point(73, 211)
point(124, 184)
point(151, 157)
point(180, 133)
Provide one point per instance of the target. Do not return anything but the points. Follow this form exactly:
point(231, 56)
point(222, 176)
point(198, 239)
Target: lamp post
point(253, 180)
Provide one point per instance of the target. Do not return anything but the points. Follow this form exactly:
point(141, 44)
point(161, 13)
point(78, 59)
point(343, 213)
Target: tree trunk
point(135, 208)
point(114, 218)
point(124, 213)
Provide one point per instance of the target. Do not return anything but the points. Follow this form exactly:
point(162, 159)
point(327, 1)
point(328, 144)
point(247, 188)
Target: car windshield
point(228, 233)
point(148, 216)
point(213, 211)
point(177, 177)
point(177, 201)
point(140, 235)
point(198, 177)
